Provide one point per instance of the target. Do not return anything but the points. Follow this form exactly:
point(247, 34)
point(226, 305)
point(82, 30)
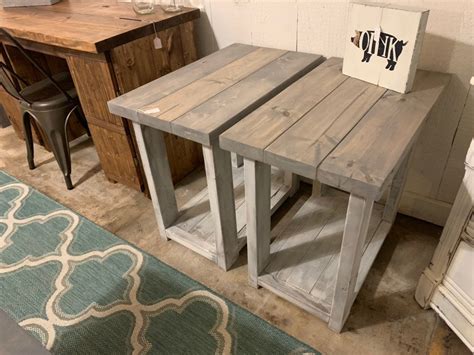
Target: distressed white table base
point(213, 222)
point(322, 257)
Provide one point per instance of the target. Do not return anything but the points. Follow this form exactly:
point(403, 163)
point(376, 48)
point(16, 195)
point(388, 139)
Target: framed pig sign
point(383, 44)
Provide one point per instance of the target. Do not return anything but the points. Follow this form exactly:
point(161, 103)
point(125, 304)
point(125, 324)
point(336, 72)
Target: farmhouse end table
point(336, 131)
point(198, 102)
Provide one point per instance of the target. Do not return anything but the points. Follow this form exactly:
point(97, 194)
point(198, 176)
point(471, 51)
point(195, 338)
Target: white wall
point(319, 27)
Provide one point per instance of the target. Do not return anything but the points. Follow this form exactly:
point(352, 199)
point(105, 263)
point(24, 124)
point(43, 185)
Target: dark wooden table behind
point(109, 51)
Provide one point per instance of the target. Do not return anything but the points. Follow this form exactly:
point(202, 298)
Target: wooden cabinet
point(447, 285)
point(114, 56)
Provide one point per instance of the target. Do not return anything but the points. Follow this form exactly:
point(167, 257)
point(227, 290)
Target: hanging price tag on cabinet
point(157, 43)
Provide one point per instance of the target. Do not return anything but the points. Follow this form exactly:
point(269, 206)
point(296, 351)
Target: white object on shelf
point(383, 44)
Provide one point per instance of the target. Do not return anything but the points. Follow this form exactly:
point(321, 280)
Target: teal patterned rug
point(81, 290)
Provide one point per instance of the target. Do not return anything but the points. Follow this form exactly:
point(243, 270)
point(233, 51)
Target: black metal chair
point(50, 102)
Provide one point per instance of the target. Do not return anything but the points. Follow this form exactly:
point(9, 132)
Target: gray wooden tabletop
point(203, 99)
point(342, 131)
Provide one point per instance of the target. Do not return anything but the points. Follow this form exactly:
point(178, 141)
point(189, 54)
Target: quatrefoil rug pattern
point(79, 289)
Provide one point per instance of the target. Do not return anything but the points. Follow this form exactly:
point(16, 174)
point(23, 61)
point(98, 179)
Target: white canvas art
point(383, 44)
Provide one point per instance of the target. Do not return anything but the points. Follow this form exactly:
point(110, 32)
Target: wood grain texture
point(137, 63)
point(127, 105)
point(356, 227)
point(307, 143)
point(257, 197)
point(88, 26)
point(258, 130)
point(364, 162)
point(183, 100)
point(153, 153)
point(221, 199)
point(304, 256)
point(205, 122)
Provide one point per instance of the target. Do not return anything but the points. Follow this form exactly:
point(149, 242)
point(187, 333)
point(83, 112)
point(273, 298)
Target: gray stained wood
point(304, 257)
point(342, 131)
point(195, 228)
point(205, 98)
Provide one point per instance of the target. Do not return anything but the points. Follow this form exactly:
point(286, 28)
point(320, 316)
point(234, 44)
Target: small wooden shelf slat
point(304, 257)
point(195, 225)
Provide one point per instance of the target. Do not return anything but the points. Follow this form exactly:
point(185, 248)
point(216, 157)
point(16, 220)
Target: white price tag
point(157, 43)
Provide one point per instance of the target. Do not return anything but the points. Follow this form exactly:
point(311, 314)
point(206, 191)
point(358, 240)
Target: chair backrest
point(7, 74)
point(7, 81)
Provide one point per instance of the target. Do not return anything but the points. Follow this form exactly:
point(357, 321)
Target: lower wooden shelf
point(304, 257)
point(194, 228)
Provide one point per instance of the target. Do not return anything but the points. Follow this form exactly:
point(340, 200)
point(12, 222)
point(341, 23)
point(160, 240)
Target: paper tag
point(157, 43)
point(151, 110)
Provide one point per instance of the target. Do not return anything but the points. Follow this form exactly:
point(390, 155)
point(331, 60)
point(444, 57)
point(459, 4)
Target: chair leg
point(54, 127)
point(82, 119)
point(28, 140)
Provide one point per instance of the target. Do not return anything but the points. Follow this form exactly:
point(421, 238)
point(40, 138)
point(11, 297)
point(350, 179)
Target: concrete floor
point(385, 318)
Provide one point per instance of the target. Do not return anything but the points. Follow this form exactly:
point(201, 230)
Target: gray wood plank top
point(345, 132)
point(205, 98)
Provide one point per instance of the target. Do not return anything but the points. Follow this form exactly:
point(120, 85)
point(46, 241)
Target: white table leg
point(237, 160)
point(257, 199)
point(317, 189)
point(221, 198)
point(152, 149)
point(396, 190)
point(292, 181)
point(356, 226)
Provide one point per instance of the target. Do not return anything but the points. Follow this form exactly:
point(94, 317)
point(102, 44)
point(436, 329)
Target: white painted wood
point(304, 256)
point(447, 285)
point(395, 191)
point(152, 149)
point(383, 44)
point(292, 181)
point(237, 160)
point(221, 198)
point(257, 197)
point(208, 250)
point(358, 216)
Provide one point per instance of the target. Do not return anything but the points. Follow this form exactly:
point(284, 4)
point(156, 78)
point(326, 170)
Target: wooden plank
point(137, 63)
point(94, 82)
point(188, 42)
point(258, 130)
point(153, 152)
point(305, 144)
point(309, 280)
point(205, 122)
point(324, 287)
point(127, 104)
point(183, 100)
point(221, 199)
point(257, 199)
point(363, 162)
point(115, 156)
point(356, 229)
point(292, 245)
point(208, 250)
point(88, 27)
point(395, 191)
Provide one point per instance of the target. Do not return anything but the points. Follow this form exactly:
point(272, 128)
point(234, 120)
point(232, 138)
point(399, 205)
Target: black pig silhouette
point(388, 46)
